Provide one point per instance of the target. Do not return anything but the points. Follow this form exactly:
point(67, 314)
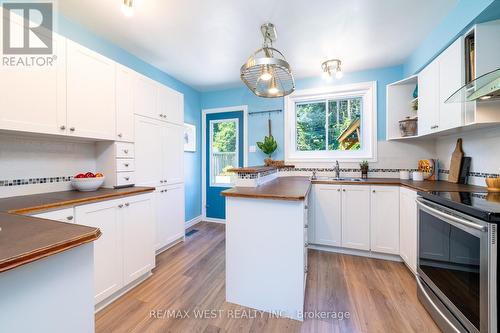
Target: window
point(223, 150)
point(334, 124)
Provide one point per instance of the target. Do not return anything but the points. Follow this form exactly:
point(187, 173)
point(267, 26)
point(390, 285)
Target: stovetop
point(484, 206)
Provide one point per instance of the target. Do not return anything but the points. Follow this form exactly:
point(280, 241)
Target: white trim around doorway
point(243, 108)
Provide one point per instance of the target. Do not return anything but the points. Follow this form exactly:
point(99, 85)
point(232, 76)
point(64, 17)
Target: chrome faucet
point(337, 169)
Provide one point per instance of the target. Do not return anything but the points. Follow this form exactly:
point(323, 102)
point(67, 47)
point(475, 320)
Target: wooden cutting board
point(456, 163)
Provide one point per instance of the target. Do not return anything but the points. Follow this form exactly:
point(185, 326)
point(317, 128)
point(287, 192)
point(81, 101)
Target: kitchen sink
point(339, 179)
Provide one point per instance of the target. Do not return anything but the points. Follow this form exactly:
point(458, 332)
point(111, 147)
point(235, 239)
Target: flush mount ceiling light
point(127, 8)
point(266, 73)
point(332, 67)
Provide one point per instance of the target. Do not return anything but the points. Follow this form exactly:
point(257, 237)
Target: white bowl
point(87, 184)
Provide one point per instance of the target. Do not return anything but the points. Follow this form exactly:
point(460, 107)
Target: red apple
point(89, 175)
point(80, 175)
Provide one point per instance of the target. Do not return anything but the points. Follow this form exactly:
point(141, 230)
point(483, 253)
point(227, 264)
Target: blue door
point(224, 150)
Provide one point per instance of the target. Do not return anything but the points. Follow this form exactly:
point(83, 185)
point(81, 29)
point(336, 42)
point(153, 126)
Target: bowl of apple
point(87, 182)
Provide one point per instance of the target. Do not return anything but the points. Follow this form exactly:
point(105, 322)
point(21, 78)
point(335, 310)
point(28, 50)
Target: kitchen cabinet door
point(356, 217)
point(137, 218)
point(428, 99)
point(327, 224)
point(33, 99)
point(124, 104)
point(108, 255)
point(451, 77)
point(91, 91)
point(149, 143)
point(145, 97)
point(408, 227)
point(171, 105)
point(384, 207)
point(169, 214)
point(173, 156)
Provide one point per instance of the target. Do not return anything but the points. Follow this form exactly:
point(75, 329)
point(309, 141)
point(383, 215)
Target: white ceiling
point(204, 42)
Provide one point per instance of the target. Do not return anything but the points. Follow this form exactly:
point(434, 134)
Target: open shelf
point(399, 105)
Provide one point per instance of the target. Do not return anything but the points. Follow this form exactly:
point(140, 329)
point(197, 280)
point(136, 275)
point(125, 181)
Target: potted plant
point(364, 169)
point(268, 147)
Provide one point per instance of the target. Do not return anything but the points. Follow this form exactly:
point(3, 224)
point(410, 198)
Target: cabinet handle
point(69, 218)
point(119, 135)
point(306, 207)
point(434, 127)
point(306, 226)
point(72, 129)
point(120, 206)
point(305, 269)
point(343, 190)
point(161, 115)
point(126, 164)
point(373, 191)
point(306, 244)
point(125, 151)
point(127, 204)
point(62, 127)
point(126, 178)
point(338, 190)
point(161, 181)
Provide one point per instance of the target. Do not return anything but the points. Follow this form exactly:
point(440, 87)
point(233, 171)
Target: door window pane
point(224, 142)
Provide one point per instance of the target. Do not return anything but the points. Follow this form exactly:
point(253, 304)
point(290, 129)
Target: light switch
point(252, 149)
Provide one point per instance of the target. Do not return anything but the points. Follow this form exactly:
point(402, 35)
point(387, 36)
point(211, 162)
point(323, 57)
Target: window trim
point(213, 183)
point(367, 91)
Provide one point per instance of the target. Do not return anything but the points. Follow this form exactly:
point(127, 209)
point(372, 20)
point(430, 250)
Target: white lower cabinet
point(384, 219)
point(356, 217)
point(125, 250)
point(61, 215)
point(408, 227)
point(359, 217)
point(169, 214)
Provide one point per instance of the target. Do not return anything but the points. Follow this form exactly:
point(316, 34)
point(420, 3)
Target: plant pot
point(364, 173)
point(268, 161)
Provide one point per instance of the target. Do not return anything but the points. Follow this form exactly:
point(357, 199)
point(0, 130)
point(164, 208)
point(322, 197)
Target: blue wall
point(257, 124)
point(192, 114)
point(454, 24)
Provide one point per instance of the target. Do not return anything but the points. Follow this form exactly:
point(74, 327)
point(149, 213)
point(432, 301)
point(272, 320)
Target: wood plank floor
point(380, 296)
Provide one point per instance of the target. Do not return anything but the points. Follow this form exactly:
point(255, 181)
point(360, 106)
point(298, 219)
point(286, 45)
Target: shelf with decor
point(402, 108)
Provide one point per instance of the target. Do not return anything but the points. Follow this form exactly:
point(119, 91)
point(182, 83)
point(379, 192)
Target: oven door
point(454, 260)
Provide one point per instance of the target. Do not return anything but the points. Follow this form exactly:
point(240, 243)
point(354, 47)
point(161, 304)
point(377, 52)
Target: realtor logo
point(27, 28)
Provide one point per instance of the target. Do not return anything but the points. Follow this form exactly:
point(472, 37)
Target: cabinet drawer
point(124, 149)
point(126, 164)
point(125, 178)
point(62, 215)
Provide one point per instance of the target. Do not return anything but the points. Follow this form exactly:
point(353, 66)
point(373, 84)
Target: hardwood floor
point(380, 296)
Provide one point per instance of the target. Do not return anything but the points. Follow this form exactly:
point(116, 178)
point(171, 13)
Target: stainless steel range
point(457, 259)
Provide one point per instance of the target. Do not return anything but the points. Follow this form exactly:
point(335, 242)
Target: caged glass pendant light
point(267, 73)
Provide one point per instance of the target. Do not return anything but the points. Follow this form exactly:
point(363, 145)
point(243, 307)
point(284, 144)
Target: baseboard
point(178, 240)
point(193, 221)
point(214, 220)
point(361, 253)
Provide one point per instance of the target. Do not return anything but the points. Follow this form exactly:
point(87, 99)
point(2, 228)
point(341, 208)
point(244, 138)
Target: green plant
point(363, 165)
point(269, 145)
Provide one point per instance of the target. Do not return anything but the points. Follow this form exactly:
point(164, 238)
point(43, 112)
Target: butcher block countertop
point(297, 188)
point(24, 239)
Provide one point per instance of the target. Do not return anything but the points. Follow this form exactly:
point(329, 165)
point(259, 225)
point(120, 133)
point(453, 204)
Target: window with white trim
point(336, 123)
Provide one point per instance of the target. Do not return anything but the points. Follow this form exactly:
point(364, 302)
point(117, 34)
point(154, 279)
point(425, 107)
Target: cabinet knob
point(62, 127)
point(161, 116)
point(338, 190)
point(127, 204)
point(343, 190)
point(306, 244)
point(161, 181)
point(126, 178)
point(125, 151)
point(120, 135)
point(72, 129)
point(306, 226)
point(305, 270)
point(69, 218)
point(126, 164)
point(306, 207)
point(120, 206)
point(373, 191)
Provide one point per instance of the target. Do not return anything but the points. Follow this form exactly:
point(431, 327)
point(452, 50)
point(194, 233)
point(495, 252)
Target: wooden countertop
point(297, 188)
point(282, 188)
point(24, 239)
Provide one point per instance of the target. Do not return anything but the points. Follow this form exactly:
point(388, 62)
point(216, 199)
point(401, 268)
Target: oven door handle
point(455, 219)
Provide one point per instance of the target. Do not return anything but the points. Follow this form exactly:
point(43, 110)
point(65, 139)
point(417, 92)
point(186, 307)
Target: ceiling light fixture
point(266, 73)
point(332, 67)
point(127, 8)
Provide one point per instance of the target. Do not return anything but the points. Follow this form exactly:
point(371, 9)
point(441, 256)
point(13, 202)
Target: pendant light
point(331, 68)
point(267, 73)
point(127, 8)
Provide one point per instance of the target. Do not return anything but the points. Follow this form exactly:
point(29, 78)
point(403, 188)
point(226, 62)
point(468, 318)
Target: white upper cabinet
point(384, 219)
point(33, 99)
point(149, 143)
point(173, 153)
point(327, 207)
point(428, 99)
point(170, 105)
point(145, 97)
point(90, 93)
point(356, 217)
point(451, 77)
point(124, 104)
